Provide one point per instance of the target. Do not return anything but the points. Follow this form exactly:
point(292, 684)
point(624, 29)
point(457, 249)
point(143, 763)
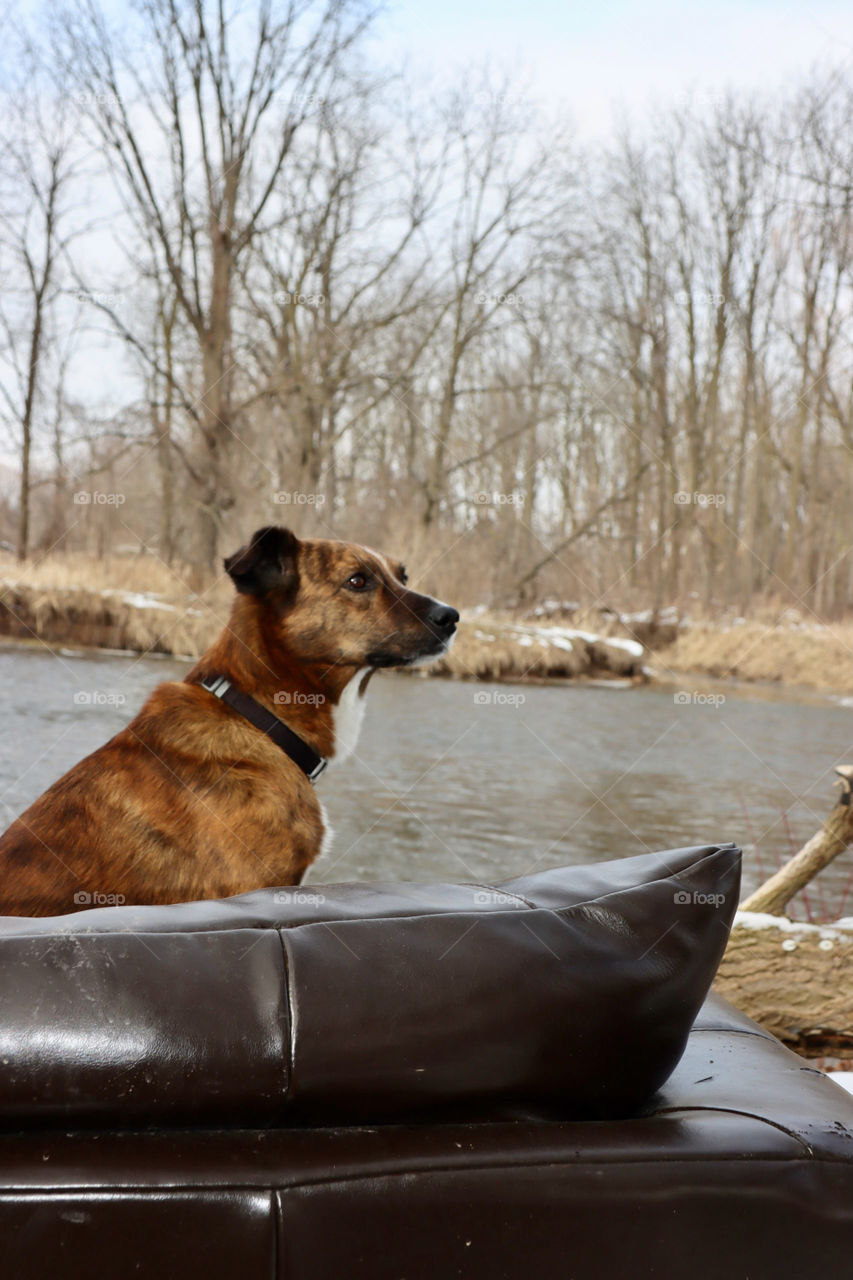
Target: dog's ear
point(268, 561)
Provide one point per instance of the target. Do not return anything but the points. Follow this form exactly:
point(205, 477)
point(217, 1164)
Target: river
point(457, 781)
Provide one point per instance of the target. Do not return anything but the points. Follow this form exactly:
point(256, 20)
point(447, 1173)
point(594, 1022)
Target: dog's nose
point(444, 617)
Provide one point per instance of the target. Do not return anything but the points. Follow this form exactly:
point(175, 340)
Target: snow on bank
point(616, 642)
point(668, 617)
point(564, 638)
point(797, 931)
point(138, 600)
point(763, 920)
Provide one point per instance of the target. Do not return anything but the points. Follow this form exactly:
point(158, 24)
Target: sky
point(594, 58)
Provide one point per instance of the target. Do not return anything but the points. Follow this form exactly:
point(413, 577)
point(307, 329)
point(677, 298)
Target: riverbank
point(137, 604)
point(790, 652)
point(145, 609)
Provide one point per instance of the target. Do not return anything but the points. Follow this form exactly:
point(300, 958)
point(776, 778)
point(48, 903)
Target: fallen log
point(794, 978)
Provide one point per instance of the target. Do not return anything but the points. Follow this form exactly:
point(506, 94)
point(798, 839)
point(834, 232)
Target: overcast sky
point(592, 56)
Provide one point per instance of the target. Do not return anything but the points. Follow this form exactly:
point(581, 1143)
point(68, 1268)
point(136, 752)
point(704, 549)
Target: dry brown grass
point(790, 652)
point(132, 602)
point(138, 573)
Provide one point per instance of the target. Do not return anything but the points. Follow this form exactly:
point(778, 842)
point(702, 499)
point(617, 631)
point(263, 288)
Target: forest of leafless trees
point(249, 277)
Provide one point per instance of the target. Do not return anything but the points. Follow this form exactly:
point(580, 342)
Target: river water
point(457, 781)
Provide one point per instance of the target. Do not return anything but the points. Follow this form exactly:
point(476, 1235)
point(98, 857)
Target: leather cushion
point(265, 1015)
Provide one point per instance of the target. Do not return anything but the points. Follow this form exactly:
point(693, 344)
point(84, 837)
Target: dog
point(209, 791)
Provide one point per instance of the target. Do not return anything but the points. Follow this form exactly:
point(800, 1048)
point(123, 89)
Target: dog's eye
point(403, 576)
point(357, 581)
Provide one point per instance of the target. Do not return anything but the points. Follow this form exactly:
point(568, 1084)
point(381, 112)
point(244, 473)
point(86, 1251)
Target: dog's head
point(339, 602)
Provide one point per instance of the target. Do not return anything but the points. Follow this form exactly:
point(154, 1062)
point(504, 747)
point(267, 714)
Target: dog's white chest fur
point(348, 715)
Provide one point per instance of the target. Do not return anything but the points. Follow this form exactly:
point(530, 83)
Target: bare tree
point(340, 271)
point(38, 166)
point(197, 134)
point(492, 246)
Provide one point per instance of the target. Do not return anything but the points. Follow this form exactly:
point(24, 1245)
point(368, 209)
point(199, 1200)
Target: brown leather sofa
point(408, 1082)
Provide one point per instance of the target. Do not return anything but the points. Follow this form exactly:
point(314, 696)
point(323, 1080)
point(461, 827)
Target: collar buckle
point(217, 685)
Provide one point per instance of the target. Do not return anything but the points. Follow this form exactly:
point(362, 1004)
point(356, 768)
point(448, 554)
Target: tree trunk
point(216, 495)
point(24, 498)
point(27, 420)
point(165, 464)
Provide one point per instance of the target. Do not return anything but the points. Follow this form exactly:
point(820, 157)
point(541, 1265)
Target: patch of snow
point(551, 606)
point(763, 920)
point(528, 634)
point(617, 642)
point(563, 638)
point(586, 636)
point(137, 601)
point(666, 617)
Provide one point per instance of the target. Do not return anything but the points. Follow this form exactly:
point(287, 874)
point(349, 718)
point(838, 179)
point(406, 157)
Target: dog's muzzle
point(439, 623)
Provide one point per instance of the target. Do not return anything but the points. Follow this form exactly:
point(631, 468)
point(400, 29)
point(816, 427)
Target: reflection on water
point(449, 784)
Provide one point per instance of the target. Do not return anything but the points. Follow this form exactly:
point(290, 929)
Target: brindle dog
point(191, 800)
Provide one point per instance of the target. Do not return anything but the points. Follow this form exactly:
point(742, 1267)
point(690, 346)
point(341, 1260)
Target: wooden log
point(795, 979)
point(834, 837)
